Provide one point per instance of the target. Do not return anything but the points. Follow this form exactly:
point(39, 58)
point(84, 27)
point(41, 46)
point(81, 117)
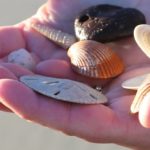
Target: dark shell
point(105, 23)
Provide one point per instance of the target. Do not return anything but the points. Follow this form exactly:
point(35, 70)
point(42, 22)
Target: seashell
point(105, 23)
point(142, 38)
point(65, 40)
point(22, 57)
point(64, 89)
point(142, 92)
point(134, 83)
point(94, 59)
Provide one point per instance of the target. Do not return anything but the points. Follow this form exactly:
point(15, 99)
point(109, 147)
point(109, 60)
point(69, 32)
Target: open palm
point(95, 123)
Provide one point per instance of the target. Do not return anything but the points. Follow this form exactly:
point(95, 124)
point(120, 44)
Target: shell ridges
point(94, 59)
point(65, 40)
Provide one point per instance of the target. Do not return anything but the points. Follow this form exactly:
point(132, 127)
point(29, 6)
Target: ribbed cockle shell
point(143, 90)
point(142, 37)
point(65, 40)
point(94, 59)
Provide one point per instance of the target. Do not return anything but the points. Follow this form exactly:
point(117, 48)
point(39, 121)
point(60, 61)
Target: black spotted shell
point(105, 23)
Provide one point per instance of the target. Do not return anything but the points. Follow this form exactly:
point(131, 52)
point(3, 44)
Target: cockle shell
point(65, 40)
point(64, 89)
point(142, 92)
point(94, 59)
point(142, 38)
point(105, 23)
point(135, 82)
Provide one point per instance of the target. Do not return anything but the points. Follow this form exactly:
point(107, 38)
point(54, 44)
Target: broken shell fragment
point(22, 57)
point(64, 40)
point(143, 90)
point(105, 23)
point(134, 83)
point(94, 59)
point(64, 89)
point(142, 38)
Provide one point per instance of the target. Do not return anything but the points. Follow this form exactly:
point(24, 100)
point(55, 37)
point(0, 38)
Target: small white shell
point(134, 83)
point(65, 40)
point(63, 89)
point(142, 37)
point(22, 57)
point(143, 90)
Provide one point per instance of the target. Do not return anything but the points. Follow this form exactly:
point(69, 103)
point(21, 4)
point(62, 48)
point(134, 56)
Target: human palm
point(97, 123)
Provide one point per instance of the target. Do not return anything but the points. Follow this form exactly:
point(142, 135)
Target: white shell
point(22, 57)
point(134, 83)
point(64, 89)
point(65, 40)
point(142, 37)
point(142, 92)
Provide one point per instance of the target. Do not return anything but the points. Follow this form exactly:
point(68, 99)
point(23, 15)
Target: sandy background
point(17, 134)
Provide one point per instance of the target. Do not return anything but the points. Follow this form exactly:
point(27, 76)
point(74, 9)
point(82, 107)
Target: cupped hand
point(95, 123)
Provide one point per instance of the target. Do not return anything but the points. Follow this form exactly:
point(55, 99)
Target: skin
point(111, 123)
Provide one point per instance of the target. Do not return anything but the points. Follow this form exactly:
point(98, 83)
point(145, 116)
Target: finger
point(5, 74)
point(57, 68)
point(11, 38)
point(4, 108)
point(92, 122)
point(62, 69)
point(144, 112)
point(17, 70)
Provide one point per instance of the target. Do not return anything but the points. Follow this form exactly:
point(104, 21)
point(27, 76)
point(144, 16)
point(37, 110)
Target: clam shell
point(134, 83)
point(141, 93)
point(93, 59)
point(64, 89)
point(63, 39)
point(142, 38)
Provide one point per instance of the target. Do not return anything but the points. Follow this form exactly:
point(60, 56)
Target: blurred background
point(17, 134)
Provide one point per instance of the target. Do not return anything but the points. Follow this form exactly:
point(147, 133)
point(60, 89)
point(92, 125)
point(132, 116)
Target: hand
point(96, 123)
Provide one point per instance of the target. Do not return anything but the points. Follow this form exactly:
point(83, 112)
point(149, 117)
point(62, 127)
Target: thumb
point(144, 111)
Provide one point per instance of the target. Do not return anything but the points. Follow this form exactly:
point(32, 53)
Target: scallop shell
point(63, 39)
point(93, 59)
point(142, 38)
point(143, 90)
point(64, 89)
point(134, 83)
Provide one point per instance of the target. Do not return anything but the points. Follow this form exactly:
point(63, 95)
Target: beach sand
point(18, 134)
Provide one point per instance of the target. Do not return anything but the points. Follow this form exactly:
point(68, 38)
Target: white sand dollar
point(64, 89)
point(134, 83)
point(22, 57)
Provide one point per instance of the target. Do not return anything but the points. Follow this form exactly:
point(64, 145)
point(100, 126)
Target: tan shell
point(141, 93)
point(64, 40)
point(142, 37)
point(64, 89)
point(134, 83)
point(93, 59)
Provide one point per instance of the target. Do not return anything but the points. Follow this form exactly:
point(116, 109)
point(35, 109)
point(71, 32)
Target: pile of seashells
point(94, 26)
point(90, 56)
point(140, 83)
